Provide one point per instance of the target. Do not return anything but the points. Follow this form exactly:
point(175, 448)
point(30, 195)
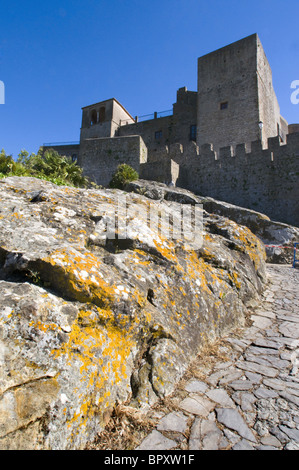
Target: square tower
point(103, 119)
point(235, 94)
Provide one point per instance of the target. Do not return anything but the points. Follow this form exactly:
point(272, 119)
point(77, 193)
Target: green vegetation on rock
point(49, 166)
point(123, 175)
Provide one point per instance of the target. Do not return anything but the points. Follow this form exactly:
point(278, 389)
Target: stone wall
point(293, 128)
point(148, 130)
point(100, 158)
point(269, 110)
point(167, 130)
point(164, 171)
point(265, 180)
point(262, 179)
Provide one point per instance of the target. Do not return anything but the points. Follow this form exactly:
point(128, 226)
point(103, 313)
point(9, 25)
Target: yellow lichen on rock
point(80, 275)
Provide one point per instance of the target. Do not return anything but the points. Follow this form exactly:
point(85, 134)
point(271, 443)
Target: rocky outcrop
point(279, 238)
point(88, 320)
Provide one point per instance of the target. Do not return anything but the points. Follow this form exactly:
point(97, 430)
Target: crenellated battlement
point(274, 148)
point(250, 150)
point(249, 175)
point(263, 179)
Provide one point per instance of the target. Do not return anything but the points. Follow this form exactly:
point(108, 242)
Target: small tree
point(7, 164)
point(124, 174)
point(53, 167)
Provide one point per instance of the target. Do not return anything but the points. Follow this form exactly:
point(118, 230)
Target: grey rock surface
point(278, 237)
point(232, 419)
point(156, 441)
point(88, 321)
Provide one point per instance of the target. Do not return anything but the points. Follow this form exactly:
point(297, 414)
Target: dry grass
point(126, 428)
point(209, 355)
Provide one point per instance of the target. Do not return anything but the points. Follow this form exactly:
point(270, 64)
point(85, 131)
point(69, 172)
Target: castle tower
point(103, 119)
point(236, 95)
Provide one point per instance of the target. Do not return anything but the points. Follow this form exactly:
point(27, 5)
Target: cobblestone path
point(250, 400)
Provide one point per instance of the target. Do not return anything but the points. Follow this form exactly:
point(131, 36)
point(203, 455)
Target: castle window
point(93, 117)
point(193, 132)
point(224, 105)
point(102, 114)
point(158, 135)
point(280, 133)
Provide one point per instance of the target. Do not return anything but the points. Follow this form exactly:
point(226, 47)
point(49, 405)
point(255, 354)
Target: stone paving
point(251, 400)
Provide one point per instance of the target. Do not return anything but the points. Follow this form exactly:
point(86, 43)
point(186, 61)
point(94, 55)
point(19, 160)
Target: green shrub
point(7, 164)
point(124, 174)
point(49, 166)
point(53, 167)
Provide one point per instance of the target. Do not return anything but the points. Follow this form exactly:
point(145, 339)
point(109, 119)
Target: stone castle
point(227, 140)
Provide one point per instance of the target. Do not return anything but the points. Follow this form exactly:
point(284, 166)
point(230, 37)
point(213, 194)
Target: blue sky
point(58, 56)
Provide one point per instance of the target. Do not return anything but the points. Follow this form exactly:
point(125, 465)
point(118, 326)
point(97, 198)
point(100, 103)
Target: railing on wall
point(148, 117)
point(155, 115)
point(53, 144)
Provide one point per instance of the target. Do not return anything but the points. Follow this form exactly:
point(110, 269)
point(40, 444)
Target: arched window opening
point(93, 117)
point(102, 114)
